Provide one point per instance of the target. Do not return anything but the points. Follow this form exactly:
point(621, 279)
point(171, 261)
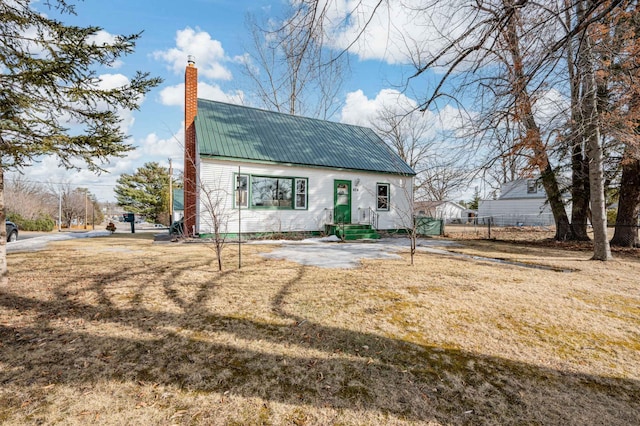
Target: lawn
point(120, 330)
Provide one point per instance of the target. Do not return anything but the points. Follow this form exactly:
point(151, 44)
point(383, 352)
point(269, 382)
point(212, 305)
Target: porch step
point(352, 232)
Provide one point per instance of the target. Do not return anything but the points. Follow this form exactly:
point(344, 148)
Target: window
point(242, 191)
point(271, 192)
point(382, 189)
point(301, 193)
point(532, 186)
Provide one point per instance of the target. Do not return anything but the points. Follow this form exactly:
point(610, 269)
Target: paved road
point(31, 241)
point(25, 235)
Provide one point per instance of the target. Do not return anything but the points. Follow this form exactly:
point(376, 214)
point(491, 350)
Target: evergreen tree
point(146, 192)
point(474, 204)
point(52, 101)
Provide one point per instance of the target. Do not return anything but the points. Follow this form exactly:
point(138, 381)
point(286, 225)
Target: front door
point(342, 201)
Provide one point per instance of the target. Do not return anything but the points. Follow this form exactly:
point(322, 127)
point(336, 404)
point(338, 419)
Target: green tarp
point(429, 226)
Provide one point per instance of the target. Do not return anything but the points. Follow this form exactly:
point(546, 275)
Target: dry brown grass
point(122, 331)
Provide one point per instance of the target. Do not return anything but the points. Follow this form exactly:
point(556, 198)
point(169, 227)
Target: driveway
point(38, 243)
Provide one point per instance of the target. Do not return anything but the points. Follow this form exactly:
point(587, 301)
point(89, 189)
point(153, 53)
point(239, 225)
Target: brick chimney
point(190, 178)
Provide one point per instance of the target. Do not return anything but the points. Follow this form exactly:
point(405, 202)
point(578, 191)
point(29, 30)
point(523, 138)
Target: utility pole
point(239, 218)
point(60, 211)
point(85, 208)
point(170, 194)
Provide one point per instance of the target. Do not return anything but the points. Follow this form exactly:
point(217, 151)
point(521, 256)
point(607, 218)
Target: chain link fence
point(532, 228)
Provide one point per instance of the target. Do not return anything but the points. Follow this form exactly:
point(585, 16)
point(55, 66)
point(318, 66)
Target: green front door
point(342, 201)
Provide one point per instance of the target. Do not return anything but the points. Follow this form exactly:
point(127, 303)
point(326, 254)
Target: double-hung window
point(301, 193)
point(383, 194)
point(242, 191)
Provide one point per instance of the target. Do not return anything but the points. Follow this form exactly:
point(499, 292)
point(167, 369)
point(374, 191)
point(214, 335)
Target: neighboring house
point(449, 211)
point(522, 202)
point(272, 172)
point(178, 204)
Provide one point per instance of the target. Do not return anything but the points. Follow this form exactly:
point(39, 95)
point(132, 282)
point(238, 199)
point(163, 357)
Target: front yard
point(118, 330)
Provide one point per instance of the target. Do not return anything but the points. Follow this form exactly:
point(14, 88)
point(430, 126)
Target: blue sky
point(215, 31)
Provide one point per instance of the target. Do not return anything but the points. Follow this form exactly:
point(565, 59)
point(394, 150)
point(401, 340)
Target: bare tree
point(592, 136)
point(30, 200)
point(440, 180)
point(439, 173)
point(74, 204)
point(621, 119)
point(514, 51)
point(290, 67)
point(406, 132)
point(213, 202)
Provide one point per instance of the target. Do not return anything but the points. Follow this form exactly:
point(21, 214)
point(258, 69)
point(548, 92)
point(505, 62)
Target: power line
point(66, 183)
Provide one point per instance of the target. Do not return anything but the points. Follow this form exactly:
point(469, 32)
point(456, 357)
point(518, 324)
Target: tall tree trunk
point(626, 233)
point(4, 272)
point(579, 193)
point(579, 161)
point(591, 136)
point(601, 249)
point(532, 138)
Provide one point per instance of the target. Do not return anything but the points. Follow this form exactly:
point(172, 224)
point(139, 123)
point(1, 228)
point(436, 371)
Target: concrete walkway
point(330, 253)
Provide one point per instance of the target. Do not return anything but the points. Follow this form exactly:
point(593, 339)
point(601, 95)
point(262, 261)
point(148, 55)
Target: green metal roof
point(243, 133)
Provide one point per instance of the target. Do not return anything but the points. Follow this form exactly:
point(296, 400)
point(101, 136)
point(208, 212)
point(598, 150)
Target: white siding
point(520, 189)
point(449, 211)
point(527, 212)
point(218, 177)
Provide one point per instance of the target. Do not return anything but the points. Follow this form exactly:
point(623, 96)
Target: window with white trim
point(383, 193)
point(301, 193)
point(271, 192)
point(242, 191)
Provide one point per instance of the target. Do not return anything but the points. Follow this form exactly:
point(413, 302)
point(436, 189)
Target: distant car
point(12, 231)
point(158, 225)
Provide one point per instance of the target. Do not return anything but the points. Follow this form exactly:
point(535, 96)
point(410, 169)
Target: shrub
point(44, 222)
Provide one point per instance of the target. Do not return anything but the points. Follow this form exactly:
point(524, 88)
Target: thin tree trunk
point(579, 161)
point(4, 272)
point(532, 138)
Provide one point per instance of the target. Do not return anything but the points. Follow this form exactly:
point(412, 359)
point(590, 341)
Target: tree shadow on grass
point(300, 363)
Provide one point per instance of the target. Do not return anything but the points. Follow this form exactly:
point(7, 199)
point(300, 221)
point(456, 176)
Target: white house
point(522, 202)
point(449, 211)
point(271, 172)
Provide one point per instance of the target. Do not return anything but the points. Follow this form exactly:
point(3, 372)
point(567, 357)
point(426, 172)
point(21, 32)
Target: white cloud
point(396, 32)
point(101, 38)
point(363, 111)
point(208, 53)
point(152, 146)
point(113, 81)
point(174, 95)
